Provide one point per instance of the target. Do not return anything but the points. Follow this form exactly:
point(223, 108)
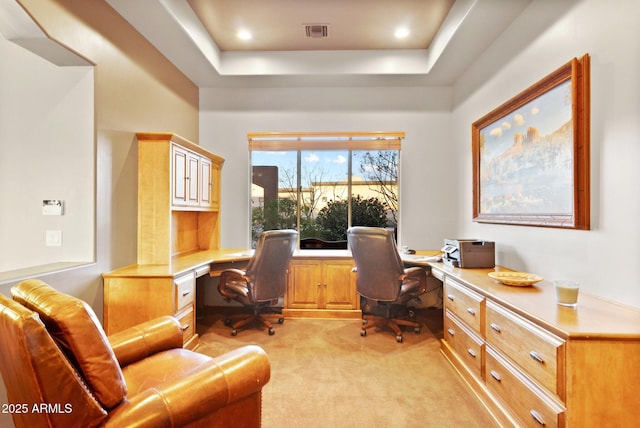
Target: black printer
point(469, 253)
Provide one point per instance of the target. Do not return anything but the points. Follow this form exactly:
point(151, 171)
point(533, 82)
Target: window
point(321, 184)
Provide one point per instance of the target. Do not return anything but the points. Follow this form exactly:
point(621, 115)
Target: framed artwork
point(531, 154)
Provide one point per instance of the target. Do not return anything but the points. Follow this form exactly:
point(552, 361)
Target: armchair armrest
point(220, 382)
point(147, 338)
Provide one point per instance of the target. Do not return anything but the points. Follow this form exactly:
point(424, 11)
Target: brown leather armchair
point(61, 370)
point(382, 279)
point(263, 282)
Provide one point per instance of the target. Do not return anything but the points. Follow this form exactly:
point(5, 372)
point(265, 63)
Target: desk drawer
point(468, 346)
point(532, 406)
point(187, 320)
point(185, 287)
point(535, 350)
point(465, 304)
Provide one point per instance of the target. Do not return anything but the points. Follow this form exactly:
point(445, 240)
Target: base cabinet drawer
point(527, 403)
point(468, 346)
point(538, 352)
point(185, 290)
point(467, 305)
point(187, 320)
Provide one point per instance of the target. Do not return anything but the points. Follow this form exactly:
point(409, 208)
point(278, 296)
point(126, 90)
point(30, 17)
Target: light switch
point(54, 238)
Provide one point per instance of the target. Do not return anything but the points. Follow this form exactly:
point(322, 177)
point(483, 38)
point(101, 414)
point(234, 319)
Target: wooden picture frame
point(531, 154)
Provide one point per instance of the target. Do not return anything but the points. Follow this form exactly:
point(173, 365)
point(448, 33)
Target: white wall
point(46, 152)
point(227, 115)
point(605, 258)
point(436, 200)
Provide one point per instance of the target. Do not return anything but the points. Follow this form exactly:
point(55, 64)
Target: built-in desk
point(535, 363)
point(321, 285)
point(138, 293)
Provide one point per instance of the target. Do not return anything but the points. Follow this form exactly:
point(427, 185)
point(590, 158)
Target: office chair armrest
point(222, 381)
point(147, 338)
point(228, 276)
point(415, 271)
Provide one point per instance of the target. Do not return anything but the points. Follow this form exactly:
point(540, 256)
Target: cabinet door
point(193, 179)
point(338, 290)
point(179, 176)
point(205, 182)
point(303, 285)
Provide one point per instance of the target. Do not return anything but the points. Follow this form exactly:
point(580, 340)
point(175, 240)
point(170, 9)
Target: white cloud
point(535, 110)
point(506, 125)
point(339, 159)
point(312, 157)
point(496, 132)
point(518, 119)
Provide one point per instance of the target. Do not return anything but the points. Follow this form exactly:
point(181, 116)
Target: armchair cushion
point(77, 331)
point(147, 338)
point(178, 387)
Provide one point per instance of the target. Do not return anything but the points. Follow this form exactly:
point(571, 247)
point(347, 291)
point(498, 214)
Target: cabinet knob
point(495, 327)
point(495, 375)
point(186, 293)
point(451, 297)
point(471, 311)
point(186, 327)
point(451, 332)
point(537, 417)
point(471, 352)
point(536, 356)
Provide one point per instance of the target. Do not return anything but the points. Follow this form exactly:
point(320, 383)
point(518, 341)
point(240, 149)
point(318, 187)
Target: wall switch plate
point(54, 238)
point(52, 207)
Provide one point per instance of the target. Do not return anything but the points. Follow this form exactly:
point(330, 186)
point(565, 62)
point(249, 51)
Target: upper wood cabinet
point(178, 198)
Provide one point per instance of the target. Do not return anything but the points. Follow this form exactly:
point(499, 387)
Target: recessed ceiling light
point(244, 35)
point(402, 32)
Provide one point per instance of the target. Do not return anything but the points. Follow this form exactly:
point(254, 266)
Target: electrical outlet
point(54, 238)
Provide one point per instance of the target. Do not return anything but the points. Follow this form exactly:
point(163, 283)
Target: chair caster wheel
point(280, 320)
point(363, 332)
point(271, 332)
point(365, 322)
point(399, 339)
point(416, 330)
point(234, 332)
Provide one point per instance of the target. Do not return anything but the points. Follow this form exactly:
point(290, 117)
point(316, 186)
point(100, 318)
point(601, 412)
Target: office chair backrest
point(377, 261)
point(268, 266)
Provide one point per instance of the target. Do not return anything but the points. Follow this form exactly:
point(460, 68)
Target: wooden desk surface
point(184, 263)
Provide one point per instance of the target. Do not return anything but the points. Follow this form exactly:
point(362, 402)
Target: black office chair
point(263, 282)
point(383, 281)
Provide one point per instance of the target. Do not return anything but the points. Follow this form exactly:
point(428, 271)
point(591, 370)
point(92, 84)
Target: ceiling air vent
point(317, 31)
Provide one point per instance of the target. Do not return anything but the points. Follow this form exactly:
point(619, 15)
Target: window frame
point(325, 141)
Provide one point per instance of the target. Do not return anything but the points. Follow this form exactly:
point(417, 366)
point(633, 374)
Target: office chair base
point(243, 320)
point(372, 321)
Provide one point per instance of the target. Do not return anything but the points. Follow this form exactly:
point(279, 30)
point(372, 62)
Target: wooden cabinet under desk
point(534, 363)
point(321, 287)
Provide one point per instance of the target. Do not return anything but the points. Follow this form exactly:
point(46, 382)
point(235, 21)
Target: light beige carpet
point(324, 374)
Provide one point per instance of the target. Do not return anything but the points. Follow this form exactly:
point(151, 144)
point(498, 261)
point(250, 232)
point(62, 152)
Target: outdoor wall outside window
point(320, 184)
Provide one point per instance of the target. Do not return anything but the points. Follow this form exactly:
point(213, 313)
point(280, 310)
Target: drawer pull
point(495, 327)
point(186, 327)
point(495, 375)
point(451, 297)
point(186, 293)
point(471, 352)
point(537, 417)
point(471, 311)
point(451, 332)
point(536, 356)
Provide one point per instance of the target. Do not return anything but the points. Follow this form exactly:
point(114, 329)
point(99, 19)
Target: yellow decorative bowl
point(518, 279)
